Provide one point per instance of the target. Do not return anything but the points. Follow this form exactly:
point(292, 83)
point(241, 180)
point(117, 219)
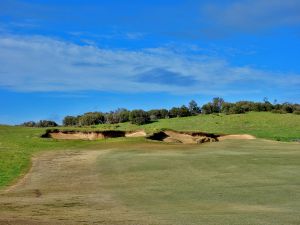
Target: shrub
point(139, 117)
point(287, 108)
point(117, 116)
point(217, 104)
point(184, 111)
point(46, 123)
point(207, 108)
point(280, 111)
point(122, 115)
point(29, 124)
point(70, 121)
point(174, 112)
point(193, 108)
point(91, 118)
point(226, 107)
point(236, 110)
point(296, 112)
point(158, 114)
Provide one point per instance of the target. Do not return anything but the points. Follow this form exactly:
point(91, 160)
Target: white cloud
point(36, 63)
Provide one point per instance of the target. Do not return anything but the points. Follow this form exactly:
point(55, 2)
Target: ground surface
point(230, 182)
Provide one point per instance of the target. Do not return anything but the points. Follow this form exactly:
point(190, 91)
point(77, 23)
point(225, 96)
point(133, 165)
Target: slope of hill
point(281, 127)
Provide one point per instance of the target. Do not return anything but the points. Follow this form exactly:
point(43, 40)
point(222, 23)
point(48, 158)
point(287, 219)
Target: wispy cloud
point(110, 35)
point(37, 63)
point(252, 15)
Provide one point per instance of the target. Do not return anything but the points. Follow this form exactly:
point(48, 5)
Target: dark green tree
point(46, 123)
point(207, 108)
point(139, 117)
point(184, 111)
point(91, 118)
point(29, 124)
point(174, 112)
point(217, 104)
point(70, 121)
point(194, 108)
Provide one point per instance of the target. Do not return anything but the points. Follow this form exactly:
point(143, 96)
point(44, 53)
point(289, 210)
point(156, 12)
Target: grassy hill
point(281, 127)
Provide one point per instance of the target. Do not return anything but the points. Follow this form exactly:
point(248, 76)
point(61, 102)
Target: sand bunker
point(184, 137)
point(169, 136)
point(90, 135)
point(194, 137)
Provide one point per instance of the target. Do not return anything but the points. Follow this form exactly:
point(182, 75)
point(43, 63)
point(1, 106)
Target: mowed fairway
point(234, 182)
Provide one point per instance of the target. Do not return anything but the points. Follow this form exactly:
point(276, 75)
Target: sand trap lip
point(90, 135)
point(140, 133)
point(237, 137)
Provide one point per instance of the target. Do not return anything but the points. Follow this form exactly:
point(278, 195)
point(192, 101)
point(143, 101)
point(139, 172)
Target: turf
point(231, 182)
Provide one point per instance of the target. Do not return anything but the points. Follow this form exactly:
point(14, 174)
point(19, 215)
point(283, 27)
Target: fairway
point(232, 182)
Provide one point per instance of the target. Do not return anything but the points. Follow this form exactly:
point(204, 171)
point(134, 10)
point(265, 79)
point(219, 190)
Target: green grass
point(231, 182)
point(17, 144)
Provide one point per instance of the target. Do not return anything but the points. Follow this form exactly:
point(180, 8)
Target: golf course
point(136, 180)
point(138, 112)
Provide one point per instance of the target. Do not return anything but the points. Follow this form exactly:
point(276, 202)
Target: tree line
point(139, 116)
point(41, 123)
point(218, 105)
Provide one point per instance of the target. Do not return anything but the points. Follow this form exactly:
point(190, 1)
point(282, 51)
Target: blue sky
point(64, 57)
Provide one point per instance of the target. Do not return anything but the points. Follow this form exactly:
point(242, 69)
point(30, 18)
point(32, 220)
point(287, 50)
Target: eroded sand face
point(92, 135)
point(77, 135)
point(81, 135)
point(186, 138)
